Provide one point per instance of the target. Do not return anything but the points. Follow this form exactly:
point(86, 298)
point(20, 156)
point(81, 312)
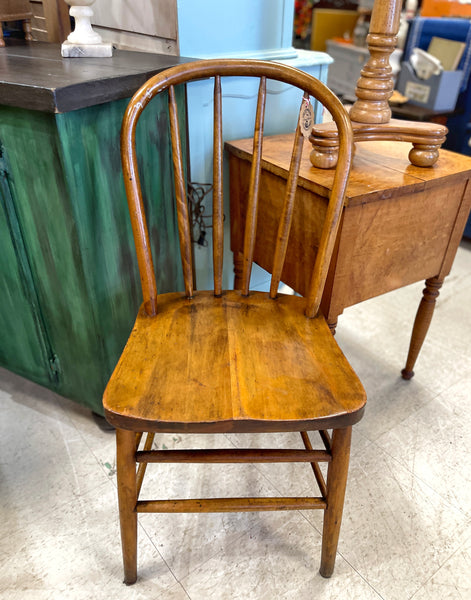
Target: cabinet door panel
point(24, 347)
point(41, 199)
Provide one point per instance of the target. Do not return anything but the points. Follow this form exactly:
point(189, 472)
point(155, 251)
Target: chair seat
point(232, 363)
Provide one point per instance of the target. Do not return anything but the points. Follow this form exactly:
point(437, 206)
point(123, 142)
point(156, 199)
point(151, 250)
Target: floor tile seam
point(191, 571)
point(303, 493)
point(371, 586)
point(457, 383)
point(431, 393)
point(424, 584)
point(109, 476)
point(420, 586)
point(340, 554)
point(236, 538)
point(143, 529)
point(410, 415)
point(460, 412)
point(374, 439)
point(103, 484)
point(356, 432)
point(435, 343)
point(180, 585)
point(85, 441)
point(41, 419)
point(100, 463)
point(109, 473)
point(64, 410)
point(267, 478)
point(425, 483)
point(288, 514)
point(300, 511)
point(234, 541)
point(440, 567)
point(59, 507)
point(435, 398)
point(228, 437)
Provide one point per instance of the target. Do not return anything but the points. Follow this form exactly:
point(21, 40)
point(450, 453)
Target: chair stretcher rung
point(141, 471)
point(228, 456)
point(229, 504)
point(326, 439)
point(315, 467)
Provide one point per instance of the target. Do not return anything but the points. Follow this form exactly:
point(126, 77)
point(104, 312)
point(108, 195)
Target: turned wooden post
point(332, 326)
point(422, 323)
point(371, 115)
point(375, 86)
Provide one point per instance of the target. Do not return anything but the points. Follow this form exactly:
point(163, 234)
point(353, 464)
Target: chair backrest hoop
point(218, 68)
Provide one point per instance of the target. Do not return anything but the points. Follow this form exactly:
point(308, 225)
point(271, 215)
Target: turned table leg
point(422, 323)
point(27, 30)
point(332, 325)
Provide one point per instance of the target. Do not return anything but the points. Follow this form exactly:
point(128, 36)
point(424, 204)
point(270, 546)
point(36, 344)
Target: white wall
point(259, 28)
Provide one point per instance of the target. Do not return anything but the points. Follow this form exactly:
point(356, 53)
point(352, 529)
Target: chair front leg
point(127, 498)
point(336, 484)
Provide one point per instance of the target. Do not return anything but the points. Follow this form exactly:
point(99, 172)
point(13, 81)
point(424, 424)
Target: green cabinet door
point(24, 344)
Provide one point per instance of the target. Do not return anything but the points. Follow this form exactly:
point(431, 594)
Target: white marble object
point(84, 41)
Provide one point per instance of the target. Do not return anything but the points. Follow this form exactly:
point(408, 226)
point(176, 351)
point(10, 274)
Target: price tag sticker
point(306, 117)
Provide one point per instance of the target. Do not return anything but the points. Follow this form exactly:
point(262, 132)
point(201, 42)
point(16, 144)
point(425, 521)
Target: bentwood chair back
point(224, 361)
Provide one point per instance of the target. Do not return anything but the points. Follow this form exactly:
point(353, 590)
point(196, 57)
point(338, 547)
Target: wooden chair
point(232, 361)
point(16, 10)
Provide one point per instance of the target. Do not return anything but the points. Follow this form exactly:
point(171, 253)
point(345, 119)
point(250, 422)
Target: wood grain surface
point(234, 363)
point(401, 223)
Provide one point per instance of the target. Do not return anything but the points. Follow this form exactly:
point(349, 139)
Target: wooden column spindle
point(375, 86)
point(284, 226)
point(371, 114)
point(252, 204)
point(181, 200)
point(218, 225)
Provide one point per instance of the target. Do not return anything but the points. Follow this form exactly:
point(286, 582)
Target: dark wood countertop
point(33, 75)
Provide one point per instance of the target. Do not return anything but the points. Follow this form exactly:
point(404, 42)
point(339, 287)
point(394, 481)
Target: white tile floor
point(407, 524)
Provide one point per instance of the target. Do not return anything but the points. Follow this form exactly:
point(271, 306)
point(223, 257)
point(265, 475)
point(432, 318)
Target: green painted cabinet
point(68, 276)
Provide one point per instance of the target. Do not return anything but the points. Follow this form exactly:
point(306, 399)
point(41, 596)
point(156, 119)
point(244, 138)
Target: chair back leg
point(127, 498)
point(336, 485)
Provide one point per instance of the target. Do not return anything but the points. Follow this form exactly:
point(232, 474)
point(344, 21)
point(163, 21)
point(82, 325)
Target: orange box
point(444, 8)
point(331, 23)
